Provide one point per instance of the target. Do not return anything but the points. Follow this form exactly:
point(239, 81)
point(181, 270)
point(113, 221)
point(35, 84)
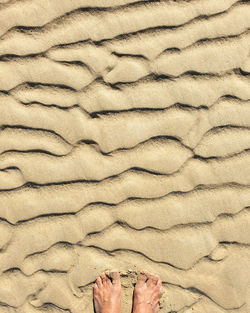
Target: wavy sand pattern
point(124, 144)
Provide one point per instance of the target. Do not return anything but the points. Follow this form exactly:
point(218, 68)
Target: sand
point(124, 145)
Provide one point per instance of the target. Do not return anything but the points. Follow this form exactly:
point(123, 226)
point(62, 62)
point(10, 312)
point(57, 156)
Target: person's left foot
point(107, 294)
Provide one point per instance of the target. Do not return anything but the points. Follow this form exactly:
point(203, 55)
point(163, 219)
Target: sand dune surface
point(124, 145)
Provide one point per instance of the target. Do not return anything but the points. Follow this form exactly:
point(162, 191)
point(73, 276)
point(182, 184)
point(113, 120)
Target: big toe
point(116, 278)
point(141, 279)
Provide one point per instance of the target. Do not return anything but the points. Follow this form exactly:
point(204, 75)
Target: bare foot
point(147, 294)
point(107, 294)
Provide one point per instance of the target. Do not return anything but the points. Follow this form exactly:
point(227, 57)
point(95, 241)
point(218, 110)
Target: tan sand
point(124, 145)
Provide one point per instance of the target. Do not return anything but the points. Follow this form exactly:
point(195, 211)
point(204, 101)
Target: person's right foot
point(147, 294)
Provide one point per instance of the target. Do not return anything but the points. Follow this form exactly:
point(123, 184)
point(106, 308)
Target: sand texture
point(124, 145)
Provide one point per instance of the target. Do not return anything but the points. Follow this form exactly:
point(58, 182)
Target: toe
point(155, 279)
point(141, 279)
point(95, 287)
point(159, 287)
point(99, 282)
point(150, 282)
point(104, 278)
point(116, 278)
